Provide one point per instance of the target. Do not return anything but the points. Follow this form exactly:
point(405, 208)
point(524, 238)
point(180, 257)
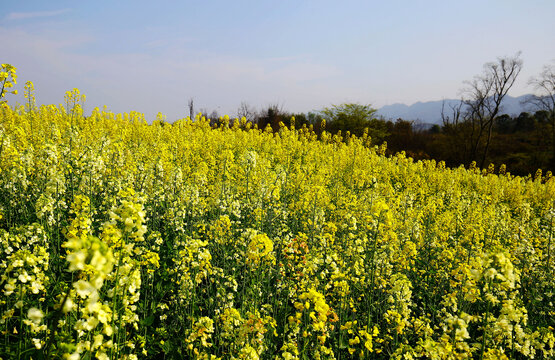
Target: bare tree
point(191, 109)
point(455, 117)
point(452, 127)
point(544, 99)
point(245, 110)
point(482, 100)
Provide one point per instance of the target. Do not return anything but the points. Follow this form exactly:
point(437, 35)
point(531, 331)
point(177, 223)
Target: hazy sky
point(152, 56)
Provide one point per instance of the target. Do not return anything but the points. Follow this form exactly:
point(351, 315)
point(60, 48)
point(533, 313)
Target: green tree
point(504, 124)
point(355, 118)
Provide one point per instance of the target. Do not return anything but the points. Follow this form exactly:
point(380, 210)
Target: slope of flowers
point(123, 240)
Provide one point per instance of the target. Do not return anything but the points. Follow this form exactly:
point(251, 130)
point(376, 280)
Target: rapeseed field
point(121, 239)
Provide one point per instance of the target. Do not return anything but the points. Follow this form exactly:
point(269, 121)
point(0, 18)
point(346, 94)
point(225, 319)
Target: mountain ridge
point(430, 111)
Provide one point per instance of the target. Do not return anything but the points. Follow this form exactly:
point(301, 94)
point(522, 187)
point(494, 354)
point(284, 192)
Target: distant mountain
point(430, 112)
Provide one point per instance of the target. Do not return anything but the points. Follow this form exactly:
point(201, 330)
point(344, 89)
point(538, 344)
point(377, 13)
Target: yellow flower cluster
point(93, 260)
point(8, 79)
point(260, 248)
point(24, 265)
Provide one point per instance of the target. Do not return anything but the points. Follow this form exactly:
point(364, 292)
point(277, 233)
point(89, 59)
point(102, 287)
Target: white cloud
point(35, 14)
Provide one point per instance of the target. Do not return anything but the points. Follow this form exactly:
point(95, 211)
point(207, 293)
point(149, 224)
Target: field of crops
point(124, 240)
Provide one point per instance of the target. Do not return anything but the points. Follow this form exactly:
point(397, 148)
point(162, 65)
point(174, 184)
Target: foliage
point(356, 119)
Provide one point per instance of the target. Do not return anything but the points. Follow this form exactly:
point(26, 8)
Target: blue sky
point(153, 56)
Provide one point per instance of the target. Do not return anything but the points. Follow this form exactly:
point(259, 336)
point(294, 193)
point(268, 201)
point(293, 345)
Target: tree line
point(474, 132)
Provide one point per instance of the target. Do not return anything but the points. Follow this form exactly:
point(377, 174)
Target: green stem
point(372, 275)
point(484, 328)
point(549, 246)
point(114, 302)
point(21, 337)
